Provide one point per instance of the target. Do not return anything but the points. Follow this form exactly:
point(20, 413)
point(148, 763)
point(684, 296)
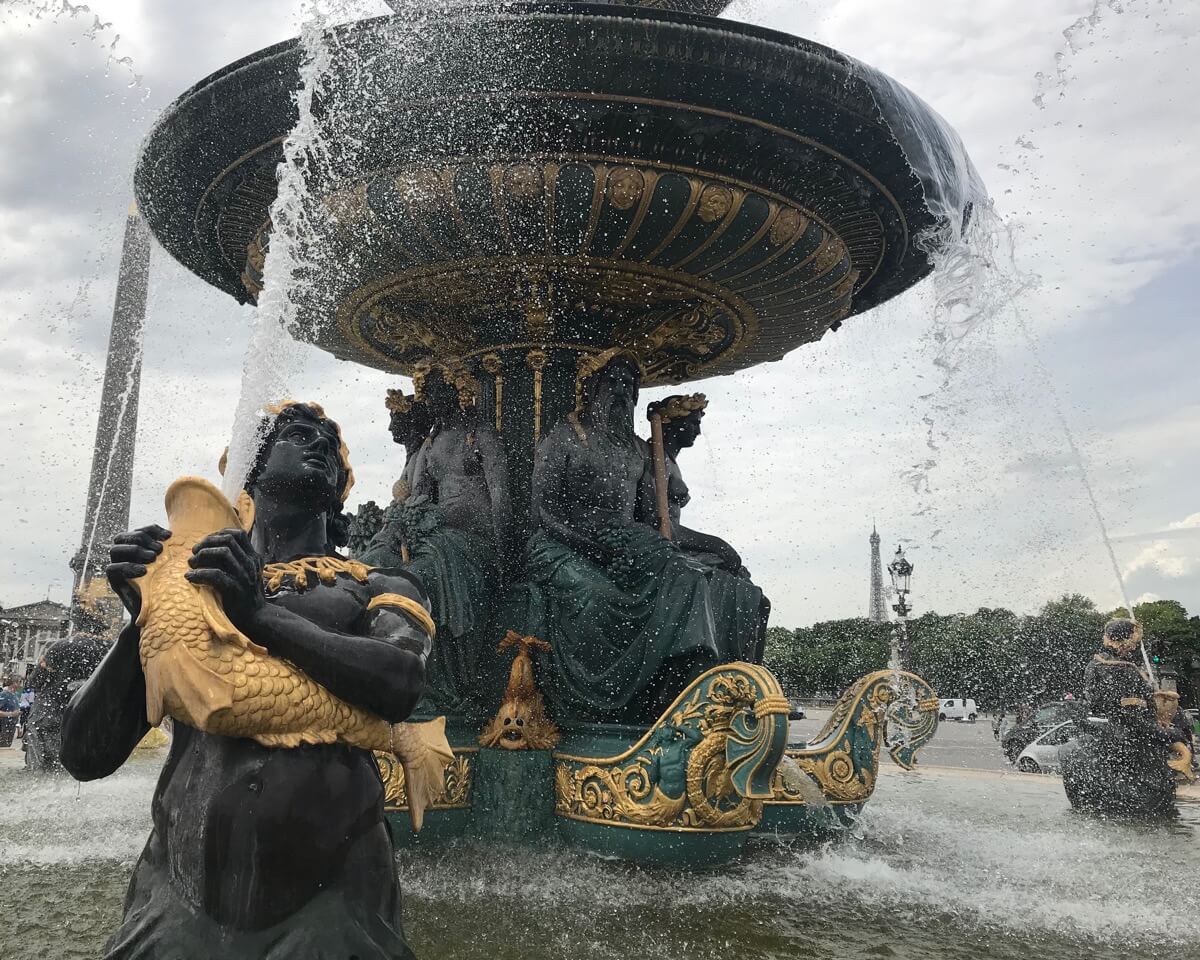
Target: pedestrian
point(10, 711)
point(997, 723)
point(26, 701)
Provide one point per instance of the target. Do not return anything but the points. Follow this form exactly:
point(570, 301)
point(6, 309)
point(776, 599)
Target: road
point(957, 745)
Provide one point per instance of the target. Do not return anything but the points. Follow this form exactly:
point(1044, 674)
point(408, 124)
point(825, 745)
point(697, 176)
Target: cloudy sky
point(1081, 117)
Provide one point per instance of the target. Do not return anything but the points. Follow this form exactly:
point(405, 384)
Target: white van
point(958, 710)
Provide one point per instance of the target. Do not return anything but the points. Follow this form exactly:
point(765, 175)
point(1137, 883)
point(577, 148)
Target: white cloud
point(798, 457)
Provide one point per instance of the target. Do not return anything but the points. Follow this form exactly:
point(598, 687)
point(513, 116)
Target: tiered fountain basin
point(710, 193)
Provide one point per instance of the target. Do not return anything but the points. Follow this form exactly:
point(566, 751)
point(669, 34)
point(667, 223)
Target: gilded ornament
point(521, 722)
point(677, 407)
point(349, 205)
point(398, 402)
point(456, 784)
point(537, 360)
point(625, 187)
point(494, 367)
point(715, 201)
point(524, 181)
point(787, 225)
point(706, 765)
point(325, 569)
point(889, 708)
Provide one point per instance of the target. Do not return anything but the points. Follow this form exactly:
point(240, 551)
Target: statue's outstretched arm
point(106, 718)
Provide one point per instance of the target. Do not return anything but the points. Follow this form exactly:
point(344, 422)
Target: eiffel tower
point(878, 609)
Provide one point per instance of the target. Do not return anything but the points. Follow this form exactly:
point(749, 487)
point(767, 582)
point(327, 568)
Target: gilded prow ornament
point(521, 722)
point(886, 708)
point(706, 765)
point(201, 670)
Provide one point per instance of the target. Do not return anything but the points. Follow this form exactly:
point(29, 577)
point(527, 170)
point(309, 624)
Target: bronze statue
point(736, 597)
point(1125, 761)
point(453, 529)
point(409, 424)
point(629, 616)
point(265, 851)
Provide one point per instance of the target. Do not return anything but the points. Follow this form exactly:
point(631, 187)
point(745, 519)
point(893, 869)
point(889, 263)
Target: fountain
point(534, 209)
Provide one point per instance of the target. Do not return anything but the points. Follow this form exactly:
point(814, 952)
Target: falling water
point(273, 356)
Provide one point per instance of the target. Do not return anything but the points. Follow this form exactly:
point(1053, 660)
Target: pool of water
point(942, 864)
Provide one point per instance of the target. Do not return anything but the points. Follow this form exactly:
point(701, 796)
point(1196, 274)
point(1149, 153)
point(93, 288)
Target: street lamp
point(901, 573)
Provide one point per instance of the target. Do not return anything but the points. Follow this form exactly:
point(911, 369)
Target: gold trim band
point(770, 705)
point(406, 605)
point(1133, 702)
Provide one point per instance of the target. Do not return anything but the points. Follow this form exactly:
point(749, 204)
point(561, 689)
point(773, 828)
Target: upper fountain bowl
point(707, 193)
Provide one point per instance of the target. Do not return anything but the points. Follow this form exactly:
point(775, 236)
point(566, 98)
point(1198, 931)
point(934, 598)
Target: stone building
point(26, 631)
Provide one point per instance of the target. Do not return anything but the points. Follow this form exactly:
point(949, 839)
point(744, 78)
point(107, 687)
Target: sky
point(1081, 117)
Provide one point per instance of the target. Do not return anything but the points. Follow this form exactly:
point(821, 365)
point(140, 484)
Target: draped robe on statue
point(630, 618)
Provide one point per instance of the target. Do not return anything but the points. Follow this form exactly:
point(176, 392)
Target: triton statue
point(269, 837)
point(453, 530)
point(1126, 763)
point(735, 597)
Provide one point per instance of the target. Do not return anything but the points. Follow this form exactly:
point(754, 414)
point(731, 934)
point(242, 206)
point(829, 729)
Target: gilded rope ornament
point(407, 605)
point(326, 568)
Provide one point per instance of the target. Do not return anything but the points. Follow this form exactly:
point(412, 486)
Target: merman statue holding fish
point(282, 665)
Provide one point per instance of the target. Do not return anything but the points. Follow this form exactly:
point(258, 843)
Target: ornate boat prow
point(828, 780)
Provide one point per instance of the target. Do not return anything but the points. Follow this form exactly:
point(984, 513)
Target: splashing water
point(98, 31)
point(942, 864)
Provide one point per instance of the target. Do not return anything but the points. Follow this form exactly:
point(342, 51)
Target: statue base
point(688, 791)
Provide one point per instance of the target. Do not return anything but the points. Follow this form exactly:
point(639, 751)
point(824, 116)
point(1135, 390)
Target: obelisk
point(107, 511)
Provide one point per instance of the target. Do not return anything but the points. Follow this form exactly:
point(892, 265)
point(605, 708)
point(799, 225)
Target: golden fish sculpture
point(203, 671)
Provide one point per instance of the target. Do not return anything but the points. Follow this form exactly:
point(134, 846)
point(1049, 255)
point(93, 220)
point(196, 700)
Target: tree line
point(992, 655)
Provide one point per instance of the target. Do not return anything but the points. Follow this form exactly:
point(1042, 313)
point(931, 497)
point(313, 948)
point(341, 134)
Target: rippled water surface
point(944, 864)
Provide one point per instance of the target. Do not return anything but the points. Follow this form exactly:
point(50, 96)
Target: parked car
point(958, 709)
point(1048, 715)
point(796, 711)
point(1044, 754)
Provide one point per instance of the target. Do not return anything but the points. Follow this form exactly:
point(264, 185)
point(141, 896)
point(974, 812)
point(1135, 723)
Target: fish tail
point(197, 691)
point(424, 753)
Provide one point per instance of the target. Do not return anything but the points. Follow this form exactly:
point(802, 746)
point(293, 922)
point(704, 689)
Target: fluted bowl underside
point(709, 194)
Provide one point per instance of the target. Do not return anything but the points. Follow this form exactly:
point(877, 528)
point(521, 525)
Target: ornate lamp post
point(901, 573)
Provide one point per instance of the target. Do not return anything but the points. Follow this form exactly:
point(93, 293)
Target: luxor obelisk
point(107, 510)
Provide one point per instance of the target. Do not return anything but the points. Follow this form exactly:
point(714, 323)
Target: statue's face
point(442, 397)
point(302, 463)
point(685, 430)
point(618, 388)
point(514, 720)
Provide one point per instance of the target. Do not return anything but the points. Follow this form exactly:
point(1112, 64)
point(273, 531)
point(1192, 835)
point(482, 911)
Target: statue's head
point(410, 418)
point(303, 461)
point(609, 382)
point(446, 387)
point(681, 416)
point(1122, 635)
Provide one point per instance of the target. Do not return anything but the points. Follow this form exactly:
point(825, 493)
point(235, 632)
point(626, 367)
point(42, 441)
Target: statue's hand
point(227, 562)
point(131, 554)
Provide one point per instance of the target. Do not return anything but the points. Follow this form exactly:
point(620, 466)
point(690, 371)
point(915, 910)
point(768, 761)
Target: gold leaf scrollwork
point(843, 760)
point(677, 777)
point(456, 790)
